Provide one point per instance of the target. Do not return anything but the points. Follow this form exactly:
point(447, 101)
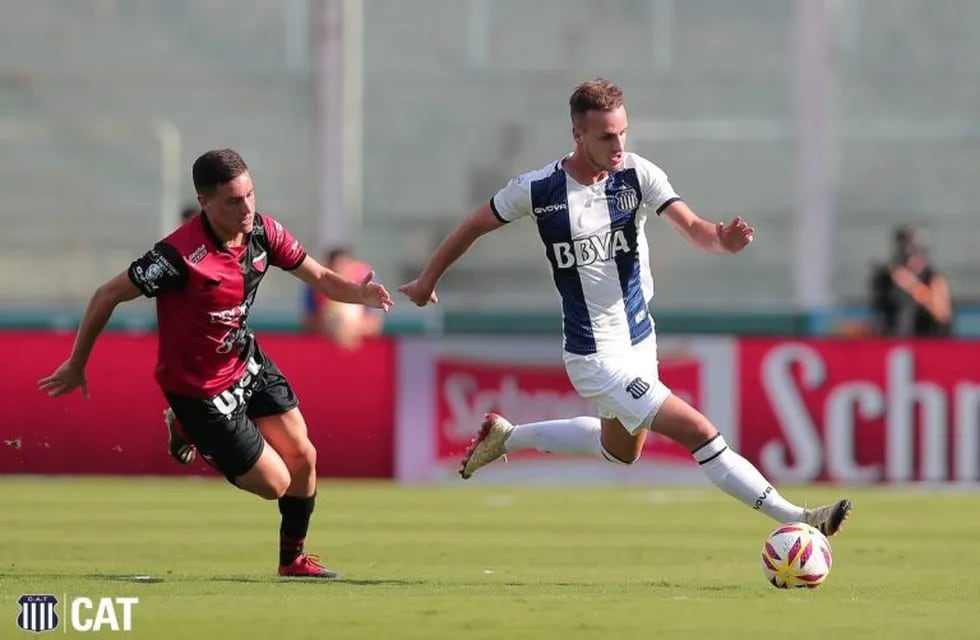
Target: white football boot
point(487, 446)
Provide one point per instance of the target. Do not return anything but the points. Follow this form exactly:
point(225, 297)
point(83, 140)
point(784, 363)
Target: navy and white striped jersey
point(594, 240)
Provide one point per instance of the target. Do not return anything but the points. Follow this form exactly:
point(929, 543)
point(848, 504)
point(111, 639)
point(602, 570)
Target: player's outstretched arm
point(708, 236)
point(71, 374)
point(336, 287)
point(422, 290)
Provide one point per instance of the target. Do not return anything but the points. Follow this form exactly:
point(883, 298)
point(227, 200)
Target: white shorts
point(623, 385)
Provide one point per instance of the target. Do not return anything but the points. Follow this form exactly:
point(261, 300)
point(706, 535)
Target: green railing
point(439, 320)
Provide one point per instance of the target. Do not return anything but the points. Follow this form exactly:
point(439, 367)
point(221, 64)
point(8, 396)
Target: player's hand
point(65, 379)
point(419, 293)
point(736, 235)
point(904, 278)
point(374, 294)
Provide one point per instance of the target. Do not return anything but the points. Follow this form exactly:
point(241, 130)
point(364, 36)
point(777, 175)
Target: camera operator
point(909, 297)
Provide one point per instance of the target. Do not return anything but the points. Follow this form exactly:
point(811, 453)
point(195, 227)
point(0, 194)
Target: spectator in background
point(345, 324)
point(188, 212)
point(909, 297)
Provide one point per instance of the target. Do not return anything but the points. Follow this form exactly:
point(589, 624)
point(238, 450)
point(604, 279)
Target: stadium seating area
point(451, 110)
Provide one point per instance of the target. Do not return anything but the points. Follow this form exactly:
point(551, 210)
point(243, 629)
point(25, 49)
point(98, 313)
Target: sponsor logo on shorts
point(637, 387)
point(231, 399)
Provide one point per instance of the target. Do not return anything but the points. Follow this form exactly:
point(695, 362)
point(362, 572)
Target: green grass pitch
point(472, 561)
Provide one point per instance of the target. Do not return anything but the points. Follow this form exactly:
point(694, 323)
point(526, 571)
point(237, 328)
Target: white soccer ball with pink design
point(796, 555)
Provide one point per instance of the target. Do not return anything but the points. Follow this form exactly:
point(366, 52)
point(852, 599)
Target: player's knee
point(621, 456)
point(309, 455)
point(302, 460)
point(697, 434)
point(683, 424)
point(277, 486)
point(272, 485)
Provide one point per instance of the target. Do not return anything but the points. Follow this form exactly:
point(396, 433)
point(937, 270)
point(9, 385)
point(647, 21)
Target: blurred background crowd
point(845, 130)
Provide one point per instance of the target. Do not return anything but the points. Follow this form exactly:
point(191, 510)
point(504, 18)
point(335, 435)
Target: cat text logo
point(39, 613)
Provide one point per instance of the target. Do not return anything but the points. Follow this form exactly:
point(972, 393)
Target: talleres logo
point(40, 613)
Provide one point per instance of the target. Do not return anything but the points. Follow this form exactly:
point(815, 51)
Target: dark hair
point(335, 253)
point(216, 168)
point(594, 95)
point(189, 211)
point(907, 242)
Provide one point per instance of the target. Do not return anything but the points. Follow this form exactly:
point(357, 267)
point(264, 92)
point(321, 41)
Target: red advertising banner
point(347, 398)
point(466, 390)
point(861, 411)
point(446, 386)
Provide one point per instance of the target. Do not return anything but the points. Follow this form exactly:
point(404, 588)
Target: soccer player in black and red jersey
point(231, 401)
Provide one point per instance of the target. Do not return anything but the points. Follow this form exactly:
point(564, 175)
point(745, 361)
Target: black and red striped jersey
point(204, 290)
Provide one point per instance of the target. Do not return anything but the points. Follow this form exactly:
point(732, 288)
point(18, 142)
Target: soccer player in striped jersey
point(590, 208)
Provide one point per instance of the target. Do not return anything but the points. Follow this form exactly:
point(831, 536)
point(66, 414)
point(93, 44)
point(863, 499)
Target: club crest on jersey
point(259, 262)
point(586, 251)
point(627, 200)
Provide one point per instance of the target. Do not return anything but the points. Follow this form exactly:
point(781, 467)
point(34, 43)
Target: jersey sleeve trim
point(493, 209)
point(666, 204)
point(298, 262)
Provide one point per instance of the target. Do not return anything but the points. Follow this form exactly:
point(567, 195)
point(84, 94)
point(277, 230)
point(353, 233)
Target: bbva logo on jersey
point(585, 251)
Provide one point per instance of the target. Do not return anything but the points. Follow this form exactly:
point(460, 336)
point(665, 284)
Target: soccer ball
point(796, 555)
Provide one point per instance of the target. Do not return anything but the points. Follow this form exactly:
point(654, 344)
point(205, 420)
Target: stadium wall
point(804, 410)
point(347, 399)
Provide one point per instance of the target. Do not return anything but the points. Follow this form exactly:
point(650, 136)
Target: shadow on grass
point(102, 577)
point(654, 584)
point(277, 580)
point(149, 579)
point(350, 582)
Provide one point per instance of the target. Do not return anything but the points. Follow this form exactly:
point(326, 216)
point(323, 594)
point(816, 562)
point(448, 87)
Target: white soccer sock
point(574, 436)
point(737, 477)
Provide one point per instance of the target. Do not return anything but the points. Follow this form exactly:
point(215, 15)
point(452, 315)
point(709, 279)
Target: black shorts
point(222, 427)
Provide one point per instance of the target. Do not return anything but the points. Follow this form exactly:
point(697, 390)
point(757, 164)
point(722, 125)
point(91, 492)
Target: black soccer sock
point(296, 514)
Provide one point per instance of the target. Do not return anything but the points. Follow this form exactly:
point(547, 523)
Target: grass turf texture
point(473, 561)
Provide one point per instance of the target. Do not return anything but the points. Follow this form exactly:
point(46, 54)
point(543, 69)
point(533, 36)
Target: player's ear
point(577, 125)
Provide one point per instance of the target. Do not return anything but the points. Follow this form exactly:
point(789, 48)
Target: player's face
point(231, 208)
point(601, 136)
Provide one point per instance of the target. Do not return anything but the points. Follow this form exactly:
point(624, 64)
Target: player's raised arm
point(708, 236)
point(71, 373)
point(334, 286)
point(422, 290)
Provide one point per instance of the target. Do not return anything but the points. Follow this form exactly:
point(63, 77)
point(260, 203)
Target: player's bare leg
point(734, 474)
point(287, 435)
point(618, 444)
point(268, 478)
